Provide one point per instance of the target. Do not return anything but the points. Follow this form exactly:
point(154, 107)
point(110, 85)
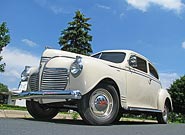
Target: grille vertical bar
point(54, 79)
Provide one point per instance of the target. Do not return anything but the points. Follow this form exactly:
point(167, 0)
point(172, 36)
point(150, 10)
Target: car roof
point(125, 51)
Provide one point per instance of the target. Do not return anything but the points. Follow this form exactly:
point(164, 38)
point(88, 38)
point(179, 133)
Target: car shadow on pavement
point(81, 122)
point(59, 121)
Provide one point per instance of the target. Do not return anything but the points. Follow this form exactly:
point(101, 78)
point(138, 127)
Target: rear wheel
point(101, 106)
point(162, 118)
point(40, 111)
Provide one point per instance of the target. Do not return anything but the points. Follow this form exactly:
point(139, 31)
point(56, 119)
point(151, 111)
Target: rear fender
point(164, 97)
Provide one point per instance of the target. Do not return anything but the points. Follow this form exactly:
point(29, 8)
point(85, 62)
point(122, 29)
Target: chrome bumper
point(49, 94)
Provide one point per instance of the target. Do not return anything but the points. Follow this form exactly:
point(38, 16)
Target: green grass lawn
point(11, 107)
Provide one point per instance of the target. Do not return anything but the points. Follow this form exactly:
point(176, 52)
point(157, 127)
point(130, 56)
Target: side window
point(138, 63)
point(141, 65)
point(153, 72)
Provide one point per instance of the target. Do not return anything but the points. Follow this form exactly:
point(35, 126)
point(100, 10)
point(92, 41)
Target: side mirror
point(133, 61)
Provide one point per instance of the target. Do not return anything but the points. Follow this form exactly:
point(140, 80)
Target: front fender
point(94, 71)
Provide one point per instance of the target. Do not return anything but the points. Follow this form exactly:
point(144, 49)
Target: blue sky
point(154, 28)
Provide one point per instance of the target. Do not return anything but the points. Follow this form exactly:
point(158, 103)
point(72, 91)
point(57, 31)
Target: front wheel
point(162, 118)
point(40, 111)
point(101, 106)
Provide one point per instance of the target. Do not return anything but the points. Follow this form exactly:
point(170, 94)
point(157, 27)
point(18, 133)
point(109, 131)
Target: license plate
point(23, 86)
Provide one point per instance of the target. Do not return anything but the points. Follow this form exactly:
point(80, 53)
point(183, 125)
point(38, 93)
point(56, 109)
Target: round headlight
point(76, 67)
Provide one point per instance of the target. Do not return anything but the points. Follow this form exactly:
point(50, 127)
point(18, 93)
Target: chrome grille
point(54, 79)
point(34, 82)
point(44, 59)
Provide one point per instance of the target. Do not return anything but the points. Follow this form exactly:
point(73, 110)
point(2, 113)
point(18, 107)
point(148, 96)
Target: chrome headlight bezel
point(76, 67)
point(25, 74)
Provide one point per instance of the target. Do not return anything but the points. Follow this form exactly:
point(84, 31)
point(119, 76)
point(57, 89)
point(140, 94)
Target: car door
point(138, 93)
point(155, 86)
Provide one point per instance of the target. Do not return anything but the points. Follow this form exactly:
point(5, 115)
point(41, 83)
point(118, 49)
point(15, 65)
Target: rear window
point(116, 57)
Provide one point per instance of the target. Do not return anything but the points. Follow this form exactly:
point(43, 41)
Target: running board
point(144, 109)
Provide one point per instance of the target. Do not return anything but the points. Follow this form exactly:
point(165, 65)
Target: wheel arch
point(111, 82)
point(164, 98)
point(169, 104)
point(82, 105)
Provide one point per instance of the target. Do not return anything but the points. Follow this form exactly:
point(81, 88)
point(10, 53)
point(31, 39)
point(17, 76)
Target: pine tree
point(76, 38)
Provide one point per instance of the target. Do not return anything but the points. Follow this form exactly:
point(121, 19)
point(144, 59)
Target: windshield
point(116, 57)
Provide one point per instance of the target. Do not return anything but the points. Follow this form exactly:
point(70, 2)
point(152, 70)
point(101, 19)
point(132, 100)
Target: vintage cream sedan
point(100, 87)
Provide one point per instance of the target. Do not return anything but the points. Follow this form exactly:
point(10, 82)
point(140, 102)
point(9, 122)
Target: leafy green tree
point(177, 92)
point(4, 41)
point(76, 38)
point(3, 88)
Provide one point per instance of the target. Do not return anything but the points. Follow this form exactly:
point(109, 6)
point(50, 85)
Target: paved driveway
point(28, 126)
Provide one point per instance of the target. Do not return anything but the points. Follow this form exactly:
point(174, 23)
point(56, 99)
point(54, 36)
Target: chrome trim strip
point(44, 59)
point(137, 71)
point(49, 94)
point(123, 99)
point(144, 109)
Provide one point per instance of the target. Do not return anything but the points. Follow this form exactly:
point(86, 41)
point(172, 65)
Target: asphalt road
point(13, 126)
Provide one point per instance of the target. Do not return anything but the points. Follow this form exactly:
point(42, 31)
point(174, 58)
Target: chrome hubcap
point(101, 103)
point(165, 113)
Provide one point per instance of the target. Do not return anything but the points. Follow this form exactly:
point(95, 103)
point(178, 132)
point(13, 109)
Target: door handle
point(150, 81)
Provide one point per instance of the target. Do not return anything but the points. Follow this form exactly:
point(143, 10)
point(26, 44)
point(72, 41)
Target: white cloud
point(122, 15)
point(103, 7)
point(29, 42)
point(174, 5)
point(16, 60)
point(183, 44)
point(141, 5)
point(56, 10)
point(54, 6)
point(168, 78)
